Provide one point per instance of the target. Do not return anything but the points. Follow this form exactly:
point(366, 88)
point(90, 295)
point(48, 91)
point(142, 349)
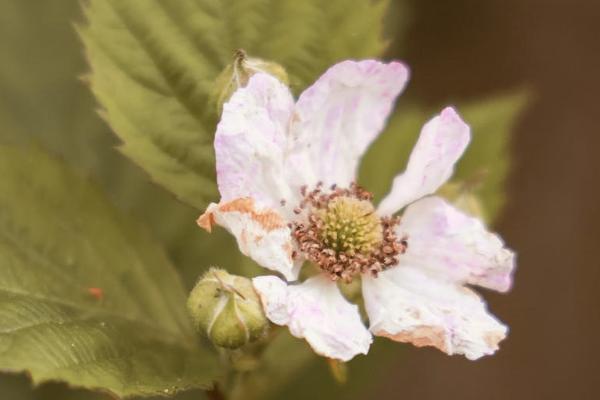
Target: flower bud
point(226, 309)
point(237, 75)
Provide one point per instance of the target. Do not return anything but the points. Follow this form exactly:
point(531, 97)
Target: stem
point(215, 393)
point(232, 386)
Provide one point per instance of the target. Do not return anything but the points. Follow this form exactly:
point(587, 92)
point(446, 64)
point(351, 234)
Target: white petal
point(250, 142)
point(431, 163)
point(406, 305)
point(337, 118)
point(261, 234)
point(455, 246)
point(317, 311)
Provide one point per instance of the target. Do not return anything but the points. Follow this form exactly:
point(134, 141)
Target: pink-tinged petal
point(407, 305)
point(441, 143)
point(317, 311)
point(250, 142)
point(455, 246)
point(261, 234)
point(337, 118)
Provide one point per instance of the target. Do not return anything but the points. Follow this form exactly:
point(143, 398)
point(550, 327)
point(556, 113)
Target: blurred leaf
point(365, 375)
point(40, 94)
point(85, 296)
point(18, 387)
point(154, 62)
point(388, 155)
point(487, 158)
point(41, 100)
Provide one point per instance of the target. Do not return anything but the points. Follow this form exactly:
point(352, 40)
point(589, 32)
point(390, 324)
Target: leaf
point(18, 387)
point(487, 158)
point(85, 296)
point(384, 355)
point(492, 122)
point(388, 155)
point(154, 63)
point(40, 94)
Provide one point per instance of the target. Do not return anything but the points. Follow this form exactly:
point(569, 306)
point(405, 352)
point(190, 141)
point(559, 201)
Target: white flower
point(286, 173)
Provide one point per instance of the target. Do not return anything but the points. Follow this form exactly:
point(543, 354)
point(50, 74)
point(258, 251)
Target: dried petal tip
point(226, 309)
point(237, 74)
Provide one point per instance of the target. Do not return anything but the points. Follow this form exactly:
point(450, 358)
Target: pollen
point(349, 225)
point(340, 231)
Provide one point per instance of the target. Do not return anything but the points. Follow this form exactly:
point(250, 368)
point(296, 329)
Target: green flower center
point(350, 225)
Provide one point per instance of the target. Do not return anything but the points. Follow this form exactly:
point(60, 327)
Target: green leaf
point(41, 100)
point(154, 63)
point(487, 158)
point(388, 155)
point(40, 95)
point(85, 296)
point(384, 355)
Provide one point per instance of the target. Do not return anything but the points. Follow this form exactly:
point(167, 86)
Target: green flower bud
point(238, 73)
point(226, 309)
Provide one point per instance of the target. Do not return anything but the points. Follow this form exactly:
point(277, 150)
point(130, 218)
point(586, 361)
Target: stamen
point(344, 236)
point(349, 225)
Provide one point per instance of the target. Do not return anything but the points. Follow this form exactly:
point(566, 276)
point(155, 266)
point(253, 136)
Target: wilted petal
point(317, 311)
point(455, 246)
point(431, 163)
point(250, 142)
point(261, 234)
point(407, 305)
point(337, 118)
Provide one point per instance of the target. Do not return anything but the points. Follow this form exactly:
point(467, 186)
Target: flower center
point(350, 226)
point(343, 235)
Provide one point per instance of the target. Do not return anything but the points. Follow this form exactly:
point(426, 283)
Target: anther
point(342, 233)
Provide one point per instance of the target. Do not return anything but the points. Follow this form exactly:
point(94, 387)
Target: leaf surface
point(154, 63)
point(85, 296)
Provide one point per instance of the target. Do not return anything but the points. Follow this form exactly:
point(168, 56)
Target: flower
point(286, 173)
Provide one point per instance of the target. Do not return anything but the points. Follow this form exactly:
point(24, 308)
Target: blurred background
point(458, 51)
point(465, 48)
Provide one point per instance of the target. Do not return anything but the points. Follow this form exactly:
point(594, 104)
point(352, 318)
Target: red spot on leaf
point(96, 293)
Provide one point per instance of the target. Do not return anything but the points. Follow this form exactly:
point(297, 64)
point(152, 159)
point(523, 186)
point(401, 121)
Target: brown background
point(469, 48)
